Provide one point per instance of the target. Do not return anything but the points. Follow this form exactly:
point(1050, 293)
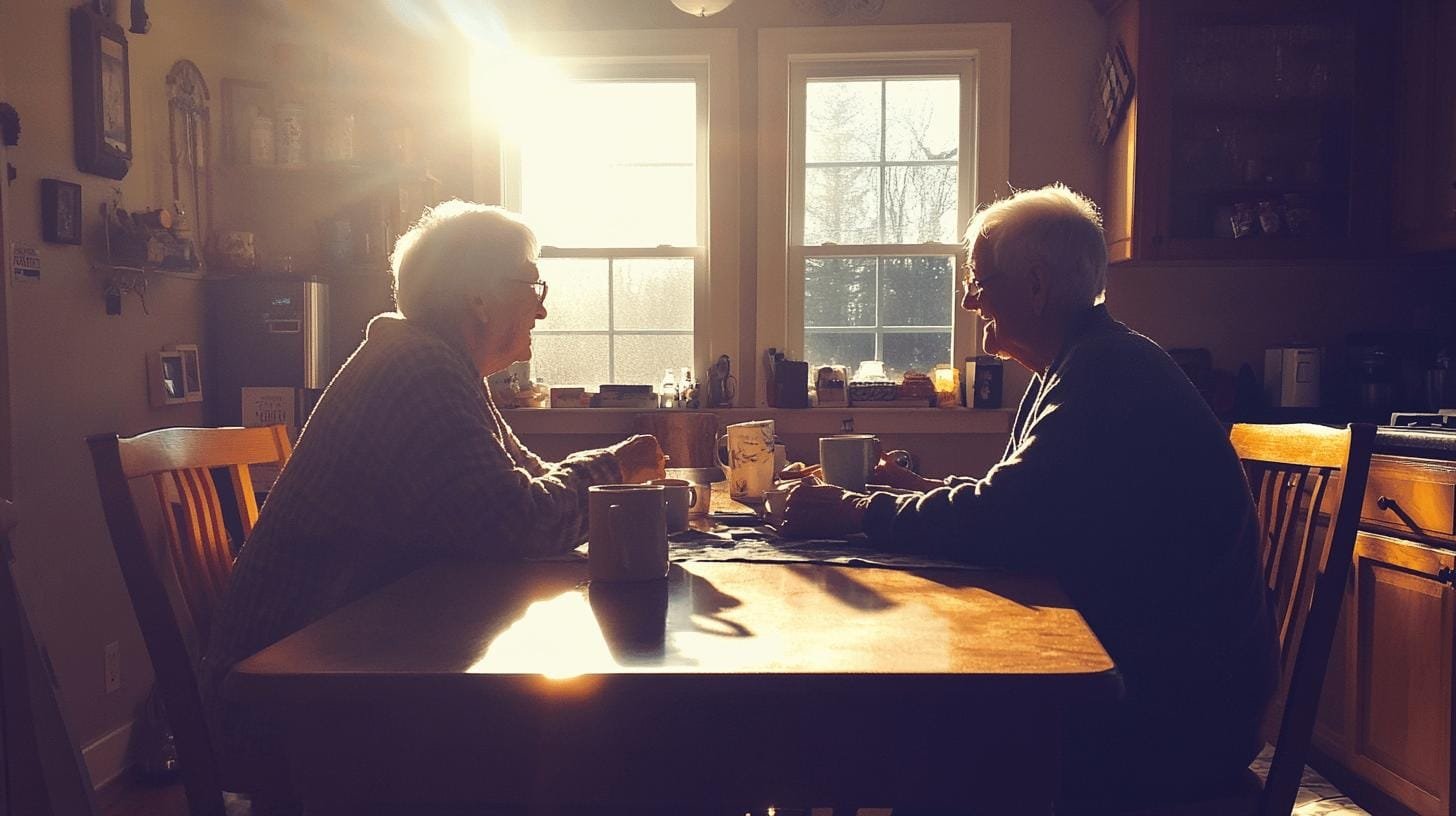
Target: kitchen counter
point(1422, 443)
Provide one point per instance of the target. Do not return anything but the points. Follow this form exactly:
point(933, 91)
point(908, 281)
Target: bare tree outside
point(881, 167)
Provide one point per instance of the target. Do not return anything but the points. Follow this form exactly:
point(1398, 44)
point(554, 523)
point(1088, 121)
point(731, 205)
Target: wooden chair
point(1307, 482)
point(179, 462)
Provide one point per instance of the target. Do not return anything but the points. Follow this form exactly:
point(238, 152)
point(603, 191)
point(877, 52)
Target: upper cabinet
point(1257, 130)
point(1424, 211)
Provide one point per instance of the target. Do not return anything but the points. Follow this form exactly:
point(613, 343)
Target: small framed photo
point(165, 382)
point(60, 211)
point(243, 103)
point(191, 372)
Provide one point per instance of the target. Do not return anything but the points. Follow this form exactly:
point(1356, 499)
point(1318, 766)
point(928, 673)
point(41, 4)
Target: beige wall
point(74, 370)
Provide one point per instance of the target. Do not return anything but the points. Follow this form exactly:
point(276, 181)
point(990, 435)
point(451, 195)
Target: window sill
point(817, 421)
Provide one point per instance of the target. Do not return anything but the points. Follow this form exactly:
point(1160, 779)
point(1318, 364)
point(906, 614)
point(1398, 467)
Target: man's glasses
point(539, 285)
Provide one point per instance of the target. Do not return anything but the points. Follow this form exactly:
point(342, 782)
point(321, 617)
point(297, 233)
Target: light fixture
point(702, 8)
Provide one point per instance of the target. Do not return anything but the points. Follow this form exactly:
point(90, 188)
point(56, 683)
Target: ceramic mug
point(749, 461)
point(627, 532)
point(848, 459)
point(678, 497)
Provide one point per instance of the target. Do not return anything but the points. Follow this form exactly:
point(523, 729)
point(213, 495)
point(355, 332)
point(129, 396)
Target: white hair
point(1056, 228)
point(458, 249)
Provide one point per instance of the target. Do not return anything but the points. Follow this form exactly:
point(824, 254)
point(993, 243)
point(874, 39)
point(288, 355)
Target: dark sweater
point(1121, 482)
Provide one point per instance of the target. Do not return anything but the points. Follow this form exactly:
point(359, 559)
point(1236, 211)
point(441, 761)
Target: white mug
point(678, 497)
point(848, 459)
point(627, 532)
point(750, 458)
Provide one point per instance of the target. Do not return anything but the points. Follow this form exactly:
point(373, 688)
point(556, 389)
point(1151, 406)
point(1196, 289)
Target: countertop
point(1422, 443)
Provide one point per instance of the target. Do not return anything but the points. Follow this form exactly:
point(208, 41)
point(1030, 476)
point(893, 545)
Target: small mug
point(848, 459)
point(679, 496)
point(627, 532)
point(775, 501)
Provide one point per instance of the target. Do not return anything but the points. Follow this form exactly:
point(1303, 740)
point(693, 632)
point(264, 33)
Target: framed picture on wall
point(191, 372)
point(100, 94)
point(60, 211)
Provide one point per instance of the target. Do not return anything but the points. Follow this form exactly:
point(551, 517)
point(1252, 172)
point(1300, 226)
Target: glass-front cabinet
point(1257, 131)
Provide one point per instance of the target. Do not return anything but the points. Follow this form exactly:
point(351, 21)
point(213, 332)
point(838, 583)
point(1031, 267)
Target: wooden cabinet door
point(1425, 157)
point(1400, 714)
point(1332, 722)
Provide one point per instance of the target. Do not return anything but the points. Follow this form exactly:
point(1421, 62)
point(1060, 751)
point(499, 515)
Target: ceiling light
point(702, 8)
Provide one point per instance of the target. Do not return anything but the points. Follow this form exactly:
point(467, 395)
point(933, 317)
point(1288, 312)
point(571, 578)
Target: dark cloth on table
point(1121, 482)
point(404, 459)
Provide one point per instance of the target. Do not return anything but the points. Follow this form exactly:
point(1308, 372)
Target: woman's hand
point(818, 510)
point(890, 472)
point(640, 458)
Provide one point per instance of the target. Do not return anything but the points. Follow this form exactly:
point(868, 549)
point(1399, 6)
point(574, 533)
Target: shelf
point(328, 170)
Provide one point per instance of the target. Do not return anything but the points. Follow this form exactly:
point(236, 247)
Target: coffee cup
point(775, 501)
point(746, 454)
point(627, 532)
point(848, 459)
point(678, 496)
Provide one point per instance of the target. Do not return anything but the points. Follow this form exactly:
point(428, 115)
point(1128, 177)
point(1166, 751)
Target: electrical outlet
point(113, 667)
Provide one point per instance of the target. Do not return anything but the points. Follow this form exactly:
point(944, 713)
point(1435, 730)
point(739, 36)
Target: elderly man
point(1118, 480)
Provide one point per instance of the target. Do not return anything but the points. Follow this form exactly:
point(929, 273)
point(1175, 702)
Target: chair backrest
point(179, 461)
point(1307, 541)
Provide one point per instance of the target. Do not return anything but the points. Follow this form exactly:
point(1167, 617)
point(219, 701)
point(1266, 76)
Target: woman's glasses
point(538, 285)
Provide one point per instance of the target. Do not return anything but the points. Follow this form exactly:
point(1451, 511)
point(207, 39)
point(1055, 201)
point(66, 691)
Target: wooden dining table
point(724, 687)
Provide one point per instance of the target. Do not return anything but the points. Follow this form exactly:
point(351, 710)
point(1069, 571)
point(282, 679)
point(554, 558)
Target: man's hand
point(640, 458)
point(890, 472)
point(818, 510)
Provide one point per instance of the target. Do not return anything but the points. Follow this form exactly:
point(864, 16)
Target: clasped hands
point(816, 509)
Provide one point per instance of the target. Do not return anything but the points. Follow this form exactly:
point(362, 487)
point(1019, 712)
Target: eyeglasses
point(539, 285)
point(969, 282)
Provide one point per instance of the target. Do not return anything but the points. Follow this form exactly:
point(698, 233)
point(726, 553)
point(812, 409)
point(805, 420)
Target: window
point(611, 162)
point(878, 215)
point(881, 141)
point(615, 194)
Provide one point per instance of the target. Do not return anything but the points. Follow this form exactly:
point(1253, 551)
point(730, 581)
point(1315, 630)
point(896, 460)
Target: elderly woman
point(406, 458)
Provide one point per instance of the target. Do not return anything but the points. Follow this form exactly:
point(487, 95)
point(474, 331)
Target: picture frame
point(242, 101)
point(100, 94)
point(1115, 86)
point(60, 211)
point(174, 375)
point(165, 378)
point(191, 372)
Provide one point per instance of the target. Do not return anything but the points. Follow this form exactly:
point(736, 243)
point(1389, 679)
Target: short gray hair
point(456, 250)
point(1055, 227)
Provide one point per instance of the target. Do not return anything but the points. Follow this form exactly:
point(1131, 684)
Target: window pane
point(915, 291)
point(842, 120)
point(922, 119)
point(578, 288)
point(569, 359)
point(652, 293)
point(841, 205)
point(921, 351)
point(641, 358)
point(920, 204)
point(621, 172)
point(839, 292)
point(847, 349)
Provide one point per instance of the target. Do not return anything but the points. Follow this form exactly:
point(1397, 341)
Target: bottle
point(688, 391)
point(667, 392)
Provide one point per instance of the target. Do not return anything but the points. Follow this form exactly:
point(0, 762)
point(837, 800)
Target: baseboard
point(108, 756)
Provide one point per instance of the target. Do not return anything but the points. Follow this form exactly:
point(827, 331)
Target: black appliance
point(266, 332)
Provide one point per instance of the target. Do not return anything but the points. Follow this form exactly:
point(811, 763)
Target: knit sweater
point(1121, 482)
point(405, 458)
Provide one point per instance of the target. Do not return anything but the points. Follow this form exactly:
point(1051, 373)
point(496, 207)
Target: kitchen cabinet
point(1424, 212)
point(1257, 131)
point(1385, 712)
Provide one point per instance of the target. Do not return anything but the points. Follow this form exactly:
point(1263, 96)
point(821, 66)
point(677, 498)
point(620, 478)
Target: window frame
point(979, 53)
point(711, 56)
point(513, 185)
